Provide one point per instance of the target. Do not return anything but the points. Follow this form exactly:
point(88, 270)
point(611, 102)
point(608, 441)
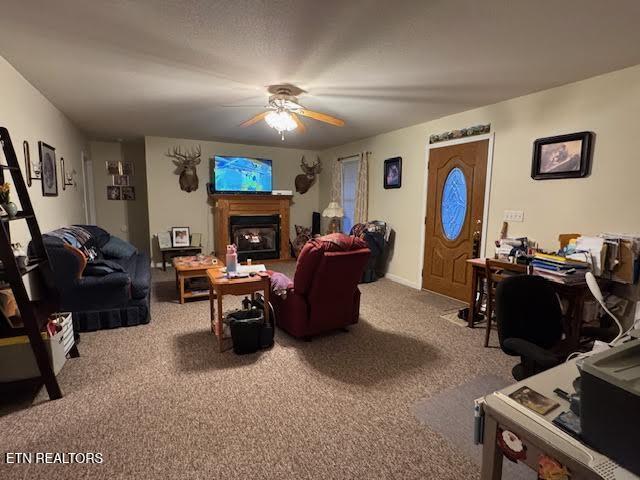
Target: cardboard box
point(622, 263)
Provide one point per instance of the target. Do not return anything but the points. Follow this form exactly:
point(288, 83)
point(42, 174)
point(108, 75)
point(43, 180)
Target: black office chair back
point(527, 307)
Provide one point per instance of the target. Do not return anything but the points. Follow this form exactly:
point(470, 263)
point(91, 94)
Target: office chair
point(529, 324)
point(495, 272)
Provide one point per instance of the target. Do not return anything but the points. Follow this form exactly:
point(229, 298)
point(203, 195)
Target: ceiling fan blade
point(244, 106)
point(254, 119)
point(323, 117)
point(299, 123)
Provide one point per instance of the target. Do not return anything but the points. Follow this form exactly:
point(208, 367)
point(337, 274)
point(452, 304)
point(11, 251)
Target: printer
point(610, 404)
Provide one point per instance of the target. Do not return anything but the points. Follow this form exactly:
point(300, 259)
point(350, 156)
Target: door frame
point(487, 192)
point(89, 189)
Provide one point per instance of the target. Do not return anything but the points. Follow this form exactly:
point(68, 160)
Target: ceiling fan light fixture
point(281, 121)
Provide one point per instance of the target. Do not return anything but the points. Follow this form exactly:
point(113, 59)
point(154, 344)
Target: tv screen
point(241, 175)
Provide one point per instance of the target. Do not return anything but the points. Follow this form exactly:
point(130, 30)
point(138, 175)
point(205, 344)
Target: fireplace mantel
point(226, 205)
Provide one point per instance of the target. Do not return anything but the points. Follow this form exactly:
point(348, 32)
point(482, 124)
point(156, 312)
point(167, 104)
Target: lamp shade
point(333, 210)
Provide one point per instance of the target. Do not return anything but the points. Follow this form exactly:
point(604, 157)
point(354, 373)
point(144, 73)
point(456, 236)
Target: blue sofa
point(110, 290)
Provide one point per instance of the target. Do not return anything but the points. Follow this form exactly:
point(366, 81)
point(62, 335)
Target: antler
point(310, 169)
point(189, 156)
point(177, 154)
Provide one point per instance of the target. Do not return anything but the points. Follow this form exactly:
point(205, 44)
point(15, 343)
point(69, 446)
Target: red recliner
point(325, 294)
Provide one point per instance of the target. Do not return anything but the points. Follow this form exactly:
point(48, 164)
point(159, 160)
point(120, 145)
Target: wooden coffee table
point(220, 285)
point(190, 267)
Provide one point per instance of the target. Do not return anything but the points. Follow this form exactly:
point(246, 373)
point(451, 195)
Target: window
point(349, 186)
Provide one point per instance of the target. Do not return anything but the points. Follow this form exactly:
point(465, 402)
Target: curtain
point(362, 190)
point(336, 182)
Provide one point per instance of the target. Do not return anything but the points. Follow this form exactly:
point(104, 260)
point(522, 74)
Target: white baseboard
point(403, 281)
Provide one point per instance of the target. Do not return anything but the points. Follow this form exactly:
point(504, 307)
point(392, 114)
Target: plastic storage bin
point(17, 361)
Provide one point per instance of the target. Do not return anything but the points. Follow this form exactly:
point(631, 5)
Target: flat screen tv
point(241, 175)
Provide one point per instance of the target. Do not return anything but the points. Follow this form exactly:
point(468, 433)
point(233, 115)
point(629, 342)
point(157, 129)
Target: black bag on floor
point(268, 328)
point(246, 327)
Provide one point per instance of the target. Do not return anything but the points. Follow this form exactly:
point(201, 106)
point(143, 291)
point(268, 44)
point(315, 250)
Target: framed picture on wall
point(128, 193)
point(393, 172)
point(127, 168)
point(113, 167)
point(121, 180)
point(113, 193)
point(180, 237)
point(49, 172)
point(562, 156)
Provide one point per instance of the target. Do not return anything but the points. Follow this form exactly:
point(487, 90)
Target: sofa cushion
point(139, 269)
point(102, 267)
point(118, 248)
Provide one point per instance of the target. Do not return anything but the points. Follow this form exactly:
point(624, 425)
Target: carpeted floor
point(158, 401)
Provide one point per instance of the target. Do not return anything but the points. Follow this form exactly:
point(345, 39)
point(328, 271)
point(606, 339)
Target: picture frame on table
point(393, 173)
point(49, 171)
point(562, 156)
point(180, 237)
point(164, 240)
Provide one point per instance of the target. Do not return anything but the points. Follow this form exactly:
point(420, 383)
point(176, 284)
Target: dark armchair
point(325, 294)
point(529, 324)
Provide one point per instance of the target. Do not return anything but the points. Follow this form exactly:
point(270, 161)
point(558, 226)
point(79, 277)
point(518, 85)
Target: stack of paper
point(559, 269)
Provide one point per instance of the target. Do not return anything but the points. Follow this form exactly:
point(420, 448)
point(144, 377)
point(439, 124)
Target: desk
point(220, 285)
point(574, 293)
point(538, 434)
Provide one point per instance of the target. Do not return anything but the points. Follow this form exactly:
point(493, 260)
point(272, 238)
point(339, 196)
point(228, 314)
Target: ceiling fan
point(283, 110)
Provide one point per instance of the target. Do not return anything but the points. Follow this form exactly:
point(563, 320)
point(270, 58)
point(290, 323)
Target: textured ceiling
point(121, 68)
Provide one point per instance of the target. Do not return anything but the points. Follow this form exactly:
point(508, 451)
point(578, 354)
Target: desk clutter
point(581, 416)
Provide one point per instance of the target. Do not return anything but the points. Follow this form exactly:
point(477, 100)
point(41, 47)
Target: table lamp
point(335, 212)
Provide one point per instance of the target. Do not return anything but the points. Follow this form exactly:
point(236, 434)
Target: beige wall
point(28, 115)
point(125, 219)
point(138, 209)
point(607, 200)
point(169, 206)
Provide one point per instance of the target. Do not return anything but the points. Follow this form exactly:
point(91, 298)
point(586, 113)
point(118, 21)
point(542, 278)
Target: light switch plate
point(513, 216)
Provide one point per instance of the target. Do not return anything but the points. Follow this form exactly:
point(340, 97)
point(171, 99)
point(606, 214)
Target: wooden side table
point(188, 269)
point(220, 285)
point(177, 252)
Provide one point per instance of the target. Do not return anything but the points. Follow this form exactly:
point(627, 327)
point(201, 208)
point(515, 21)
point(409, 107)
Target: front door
point(453, 225)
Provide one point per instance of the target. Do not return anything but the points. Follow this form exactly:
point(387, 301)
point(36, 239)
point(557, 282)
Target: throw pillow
point(118, 248)
point(303, 235)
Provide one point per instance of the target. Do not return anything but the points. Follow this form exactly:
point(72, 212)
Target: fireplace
point(256, 236)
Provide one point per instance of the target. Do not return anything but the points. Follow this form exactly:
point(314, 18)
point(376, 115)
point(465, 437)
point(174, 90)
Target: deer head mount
point(186, 163)
point(307, 179)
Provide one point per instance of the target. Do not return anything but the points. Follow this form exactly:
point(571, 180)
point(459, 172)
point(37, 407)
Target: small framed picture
point(164, 240)
point(121, 180)
point(563, 156)
point(48, 168)
point(113, 167)
point(180, 237)
point(127, 168)
point(393, 172)
point(128, 193)
point(196, 239)
point(113, 193)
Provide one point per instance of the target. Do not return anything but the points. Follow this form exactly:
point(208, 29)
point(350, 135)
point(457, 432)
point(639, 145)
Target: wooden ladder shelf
point(34, 312)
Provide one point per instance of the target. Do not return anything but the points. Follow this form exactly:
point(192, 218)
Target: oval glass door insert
point(454, 204)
